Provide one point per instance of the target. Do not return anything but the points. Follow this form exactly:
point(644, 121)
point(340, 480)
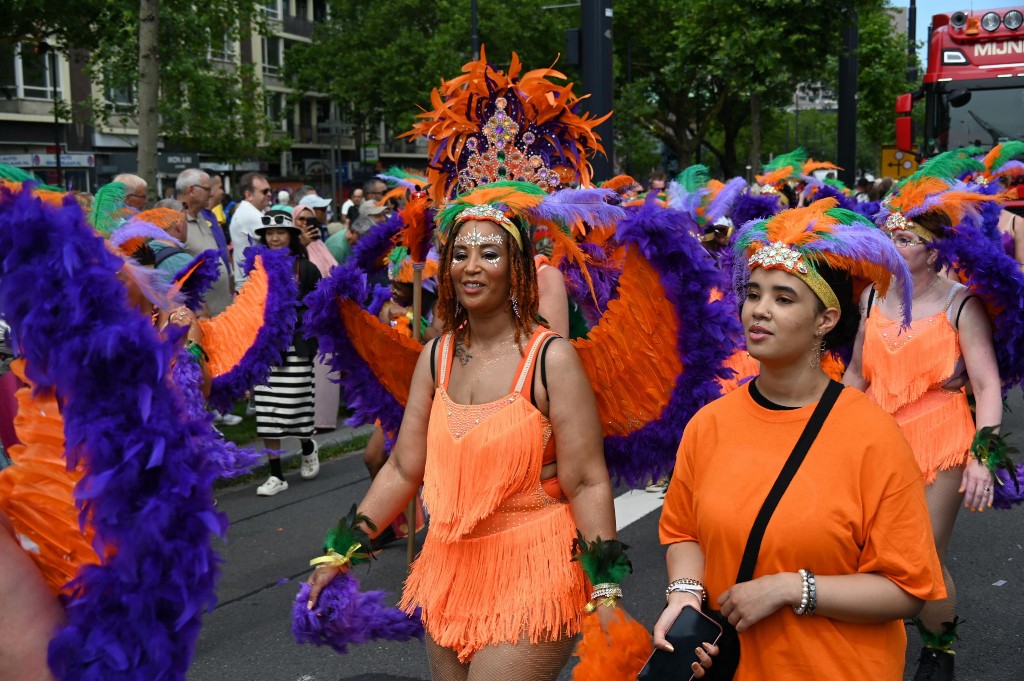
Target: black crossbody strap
point(803, 445)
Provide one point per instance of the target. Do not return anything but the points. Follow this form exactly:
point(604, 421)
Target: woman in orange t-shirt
point(847, 554)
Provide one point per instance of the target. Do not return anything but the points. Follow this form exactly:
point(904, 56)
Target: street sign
point(371, 153)
point(898, 164)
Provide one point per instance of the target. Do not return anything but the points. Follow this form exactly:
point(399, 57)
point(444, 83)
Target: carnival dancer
point(494, 581)
point(284, 406)
point(918, 375)
point(849, 540)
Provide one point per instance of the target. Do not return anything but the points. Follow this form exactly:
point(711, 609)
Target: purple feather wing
point(147, 484)
point(659, 240)
point(197, 277)
point(239, 361)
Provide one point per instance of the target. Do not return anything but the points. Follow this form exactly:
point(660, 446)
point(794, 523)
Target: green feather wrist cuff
point(346, 534)
point(990, 448)
point(603, 561)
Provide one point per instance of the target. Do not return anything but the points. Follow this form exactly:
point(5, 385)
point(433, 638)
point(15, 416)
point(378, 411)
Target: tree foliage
point(716, 74)
point(379, 61)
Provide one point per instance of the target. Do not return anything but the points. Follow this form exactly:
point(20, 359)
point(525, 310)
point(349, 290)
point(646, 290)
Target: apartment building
point(321, 139)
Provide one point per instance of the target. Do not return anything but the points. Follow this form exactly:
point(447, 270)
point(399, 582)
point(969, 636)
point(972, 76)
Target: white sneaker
point(658, 485)
point(272, 486)
point(311, 463)
point(227, 419)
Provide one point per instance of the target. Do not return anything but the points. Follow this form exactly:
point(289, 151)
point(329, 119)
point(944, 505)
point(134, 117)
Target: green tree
point(379, 61)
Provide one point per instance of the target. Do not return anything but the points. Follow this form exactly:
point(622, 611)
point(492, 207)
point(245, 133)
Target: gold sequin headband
point(898, 221)
point(489, 213)
point(779, 256)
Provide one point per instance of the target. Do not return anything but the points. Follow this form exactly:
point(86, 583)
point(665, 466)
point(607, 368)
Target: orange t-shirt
point(855, 505)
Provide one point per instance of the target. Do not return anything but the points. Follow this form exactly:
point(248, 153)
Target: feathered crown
point(780, 169)
point(799, 240)
point(1001, 160)
point(487, 126)
point(707, 201)
point(934, 189)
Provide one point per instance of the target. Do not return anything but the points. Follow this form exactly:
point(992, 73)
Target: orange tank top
point(901, 366)
point(480, 457)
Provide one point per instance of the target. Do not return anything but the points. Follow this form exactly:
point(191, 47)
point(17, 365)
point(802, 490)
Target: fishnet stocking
point(944, 501)
point(523, 661)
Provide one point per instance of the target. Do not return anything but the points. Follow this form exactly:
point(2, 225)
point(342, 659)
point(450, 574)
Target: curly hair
point(522, 282)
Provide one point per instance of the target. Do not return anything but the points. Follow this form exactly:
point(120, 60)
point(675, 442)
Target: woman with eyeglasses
point(919, 375)
point(285, 405)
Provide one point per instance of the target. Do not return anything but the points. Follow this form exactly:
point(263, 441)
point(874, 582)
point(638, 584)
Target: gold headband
point(898, 221)
point(489, 213)
point(779, 256)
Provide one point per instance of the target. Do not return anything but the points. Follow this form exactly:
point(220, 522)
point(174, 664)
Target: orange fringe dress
point(496, 563)
point(905, 373)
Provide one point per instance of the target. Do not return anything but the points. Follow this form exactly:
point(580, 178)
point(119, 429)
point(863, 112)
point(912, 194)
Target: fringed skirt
point(512, 580)
point(284, 406)
point(939, 427)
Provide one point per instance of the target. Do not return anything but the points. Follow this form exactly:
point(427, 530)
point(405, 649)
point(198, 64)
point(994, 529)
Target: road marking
point(634, 505)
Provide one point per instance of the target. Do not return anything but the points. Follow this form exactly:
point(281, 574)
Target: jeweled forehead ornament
point(779, 256)
point(897, 221)
point(487, 213)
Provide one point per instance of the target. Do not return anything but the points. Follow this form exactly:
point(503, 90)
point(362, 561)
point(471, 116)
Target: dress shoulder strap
point(530, 359)
point(952, 294)
point(446, 361)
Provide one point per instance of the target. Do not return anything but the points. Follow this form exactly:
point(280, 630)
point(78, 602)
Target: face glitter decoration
point(475, 238)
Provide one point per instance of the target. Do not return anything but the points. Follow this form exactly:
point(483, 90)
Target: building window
point(301, 9)
point(25, 74)
point(273, 55)
point(273, 9)
point(276, 108)
point(123, 97)
point(319, 10)
point(222, 50)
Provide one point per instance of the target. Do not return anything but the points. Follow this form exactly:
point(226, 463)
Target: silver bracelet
point(608, 590)
point(808, 594)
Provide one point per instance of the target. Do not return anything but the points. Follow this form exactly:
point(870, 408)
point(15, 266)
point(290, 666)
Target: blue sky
point(926, 8)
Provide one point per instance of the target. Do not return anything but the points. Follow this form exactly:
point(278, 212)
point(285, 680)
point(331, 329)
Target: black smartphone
point(688, 632)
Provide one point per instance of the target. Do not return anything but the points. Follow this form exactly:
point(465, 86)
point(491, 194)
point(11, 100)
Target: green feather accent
point(402, 173)
point(847, 217)
point(991, 449)
point(107, 207)
point(949, 165)
point(346, 533)
point(944, 641)
point(796, 158)
point(604, 562)
point(693, 178)
point(835, 184)
point(12, 174)
point(446, 217)
point(1009, 151)
point(395, 258)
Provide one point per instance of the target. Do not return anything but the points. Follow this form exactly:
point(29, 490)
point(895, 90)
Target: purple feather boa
point(604, 274)
point(996, 278)
point(375, 244)
point(227, 459)
point(273, 338)
point(868, 209)
point(704, 342)
point(147, 487)
point(364, 394)
point(345, 616)
point(201, 279)
point(1006, 494)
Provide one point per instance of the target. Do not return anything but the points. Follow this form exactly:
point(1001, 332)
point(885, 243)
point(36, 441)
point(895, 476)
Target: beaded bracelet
point(604, 594)
point(808, 594)
point(687, 585)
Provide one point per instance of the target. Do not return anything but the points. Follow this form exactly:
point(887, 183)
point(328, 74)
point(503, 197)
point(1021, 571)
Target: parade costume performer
point(124, 473)
point(970, 332)
point(1001, 164)
point(660, 312)
point(847, 552)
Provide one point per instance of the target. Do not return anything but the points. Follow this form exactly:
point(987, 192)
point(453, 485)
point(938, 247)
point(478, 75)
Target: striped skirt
point(284, 406)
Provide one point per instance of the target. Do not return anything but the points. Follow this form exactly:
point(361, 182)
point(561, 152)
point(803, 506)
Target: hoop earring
point(817, 347)
point(515, 306)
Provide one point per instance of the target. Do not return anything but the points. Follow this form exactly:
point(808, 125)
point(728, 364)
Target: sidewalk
point(341, 435)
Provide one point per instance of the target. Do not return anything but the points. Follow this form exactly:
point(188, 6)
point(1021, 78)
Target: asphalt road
point(247, 637)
